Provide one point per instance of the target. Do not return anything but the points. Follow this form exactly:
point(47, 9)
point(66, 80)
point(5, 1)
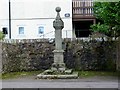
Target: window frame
point(21, 32)
point(41, 30)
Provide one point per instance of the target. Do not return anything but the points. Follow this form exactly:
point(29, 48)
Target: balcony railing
point(82, 7)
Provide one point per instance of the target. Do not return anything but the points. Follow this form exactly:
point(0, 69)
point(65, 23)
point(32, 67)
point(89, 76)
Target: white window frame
point(41, 30)
point(21, 32)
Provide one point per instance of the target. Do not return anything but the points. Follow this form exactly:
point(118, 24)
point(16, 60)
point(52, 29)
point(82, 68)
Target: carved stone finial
point(58, 9)
point(58, 23)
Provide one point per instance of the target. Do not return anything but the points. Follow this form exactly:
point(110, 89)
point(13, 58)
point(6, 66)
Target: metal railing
point(52, 34)
point(47, 34)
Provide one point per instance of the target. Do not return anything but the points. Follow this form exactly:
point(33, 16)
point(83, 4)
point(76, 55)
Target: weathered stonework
point(58, 24)
point(79, 55)
point(58, 69)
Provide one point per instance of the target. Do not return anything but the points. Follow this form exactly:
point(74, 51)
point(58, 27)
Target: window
point(40, 30)
point(5, 30)
point(21, 30)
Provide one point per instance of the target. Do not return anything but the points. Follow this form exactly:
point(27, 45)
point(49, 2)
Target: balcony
point(82, 9)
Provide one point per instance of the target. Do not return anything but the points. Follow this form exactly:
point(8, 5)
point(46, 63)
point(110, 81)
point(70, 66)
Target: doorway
point(82, 28)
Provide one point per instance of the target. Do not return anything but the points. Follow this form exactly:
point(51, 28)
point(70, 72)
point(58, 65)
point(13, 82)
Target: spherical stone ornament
point(58, 9)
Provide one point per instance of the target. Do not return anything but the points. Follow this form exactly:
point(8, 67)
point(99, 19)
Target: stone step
point(68, 71)
point(59, 76)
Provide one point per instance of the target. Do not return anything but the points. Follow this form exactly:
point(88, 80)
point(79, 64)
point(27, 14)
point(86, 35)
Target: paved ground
point(86, 83)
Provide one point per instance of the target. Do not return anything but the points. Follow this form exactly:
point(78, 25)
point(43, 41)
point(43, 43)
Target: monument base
point(58, 67)
point(50, 74)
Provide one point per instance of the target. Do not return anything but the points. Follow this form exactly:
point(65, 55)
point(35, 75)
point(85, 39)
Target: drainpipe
point(9, 19)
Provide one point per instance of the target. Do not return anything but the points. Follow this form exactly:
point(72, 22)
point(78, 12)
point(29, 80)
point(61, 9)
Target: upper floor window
point(40, 30)
point(21, 30)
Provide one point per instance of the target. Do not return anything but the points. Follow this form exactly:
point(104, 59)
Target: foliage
point(1, 35)
point(109, 13)
point(102, 28)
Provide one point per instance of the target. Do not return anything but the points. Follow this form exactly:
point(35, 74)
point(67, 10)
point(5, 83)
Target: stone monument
point(58, 69)
point(58, 24)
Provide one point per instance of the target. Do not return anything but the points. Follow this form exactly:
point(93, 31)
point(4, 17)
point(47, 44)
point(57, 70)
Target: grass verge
point(12, 75)
point(97, 73)
point(82, 74)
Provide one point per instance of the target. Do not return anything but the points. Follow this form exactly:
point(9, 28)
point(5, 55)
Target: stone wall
point(118, 55)
point(29, 55)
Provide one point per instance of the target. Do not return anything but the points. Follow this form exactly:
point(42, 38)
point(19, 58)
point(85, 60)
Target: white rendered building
point(33, 19)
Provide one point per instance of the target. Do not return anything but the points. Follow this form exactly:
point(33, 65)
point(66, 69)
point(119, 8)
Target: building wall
point(32, 14)
point(4, 15)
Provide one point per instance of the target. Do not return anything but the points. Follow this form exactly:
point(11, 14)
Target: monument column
point(58, 69)
point(58, 24)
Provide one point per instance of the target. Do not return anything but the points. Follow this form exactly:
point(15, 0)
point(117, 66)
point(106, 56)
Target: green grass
point(97, 73)
point(12, 75)
point(83, 74)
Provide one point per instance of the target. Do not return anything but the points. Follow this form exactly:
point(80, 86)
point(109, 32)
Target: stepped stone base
point(49, 74)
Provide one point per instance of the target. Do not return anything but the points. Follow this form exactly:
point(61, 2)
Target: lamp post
point(9, 19)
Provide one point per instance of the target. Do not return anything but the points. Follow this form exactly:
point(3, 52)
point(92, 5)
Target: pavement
point(101, 82)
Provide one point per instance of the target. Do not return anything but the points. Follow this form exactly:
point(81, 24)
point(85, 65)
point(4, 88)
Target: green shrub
point(1, 35)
